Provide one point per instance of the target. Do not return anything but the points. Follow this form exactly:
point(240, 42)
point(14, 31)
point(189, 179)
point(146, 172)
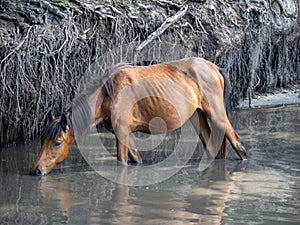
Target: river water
point(265, 189)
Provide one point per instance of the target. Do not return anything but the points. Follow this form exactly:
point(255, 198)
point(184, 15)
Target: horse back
point(154, 75)
point(200, 79)
point(213, 83)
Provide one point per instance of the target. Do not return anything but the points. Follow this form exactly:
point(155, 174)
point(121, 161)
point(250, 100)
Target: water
point(265, 189)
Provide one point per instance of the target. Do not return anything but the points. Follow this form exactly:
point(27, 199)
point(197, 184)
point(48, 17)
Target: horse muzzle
point(36, 172)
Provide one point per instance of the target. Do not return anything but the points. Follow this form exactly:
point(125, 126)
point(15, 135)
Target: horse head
point(56, 139)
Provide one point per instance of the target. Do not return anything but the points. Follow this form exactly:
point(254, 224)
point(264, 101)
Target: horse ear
point(63, 122)
point(51, 117)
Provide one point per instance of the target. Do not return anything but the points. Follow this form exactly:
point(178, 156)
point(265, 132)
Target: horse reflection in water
point(60, 195)
point(172, 208)
point(204, 204)
point(151, 99)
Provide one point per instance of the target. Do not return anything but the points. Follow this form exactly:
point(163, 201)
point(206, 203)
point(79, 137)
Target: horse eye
point(57, 144)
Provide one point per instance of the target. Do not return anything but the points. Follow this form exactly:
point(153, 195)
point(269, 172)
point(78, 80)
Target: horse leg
point(133, 153)
point(201, 126)
point(125, 150)
point(122, 151)
point(199, 121)
point(222, 125)
point(223, 150)
point(231, 136)
point(235, 140)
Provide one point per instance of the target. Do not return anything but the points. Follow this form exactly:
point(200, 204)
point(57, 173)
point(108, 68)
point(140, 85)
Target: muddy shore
point(279, 97)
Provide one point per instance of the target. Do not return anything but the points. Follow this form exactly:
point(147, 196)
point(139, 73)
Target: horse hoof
point(243, 156)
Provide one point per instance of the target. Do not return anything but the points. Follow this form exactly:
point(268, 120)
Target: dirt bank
point(46, 47)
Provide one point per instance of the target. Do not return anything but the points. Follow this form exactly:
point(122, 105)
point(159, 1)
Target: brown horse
point(151, 99)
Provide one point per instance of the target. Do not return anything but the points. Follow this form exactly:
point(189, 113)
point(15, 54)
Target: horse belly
point(156, 115)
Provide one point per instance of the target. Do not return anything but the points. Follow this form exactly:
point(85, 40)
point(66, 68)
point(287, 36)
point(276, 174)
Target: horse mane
point(80, 114)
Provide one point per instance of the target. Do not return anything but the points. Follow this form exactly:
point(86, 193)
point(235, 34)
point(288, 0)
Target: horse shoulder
point(121, 78)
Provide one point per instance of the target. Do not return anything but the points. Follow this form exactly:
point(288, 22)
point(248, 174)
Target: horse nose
point(36, 172)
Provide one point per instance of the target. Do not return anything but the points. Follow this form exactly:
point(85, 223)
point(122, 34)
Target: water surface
point(265, 189)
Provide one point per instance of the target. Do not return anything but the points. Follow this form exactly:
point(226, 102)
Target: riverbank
point(279, 97)
point(47, 47)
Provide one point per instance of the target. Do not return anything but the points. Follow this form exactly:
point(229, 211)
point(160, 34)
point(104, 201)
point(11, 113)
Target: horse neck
point(80, 115)
point(86, 111)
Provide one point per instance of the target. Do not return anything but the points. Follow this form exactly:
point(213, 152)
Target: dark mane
point(80, 114)
point(53, 129)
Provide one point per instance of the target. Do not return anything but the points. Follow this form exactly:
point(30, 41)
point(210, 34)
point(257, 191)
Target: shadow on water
point(262, 190)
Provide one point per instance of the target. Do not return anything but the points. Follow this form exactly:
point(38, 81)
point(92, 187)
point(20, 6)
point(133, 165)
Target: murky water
point(262, 190)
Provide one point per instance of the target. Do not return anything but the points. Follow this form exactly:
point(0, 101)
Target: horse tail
point(227, 91)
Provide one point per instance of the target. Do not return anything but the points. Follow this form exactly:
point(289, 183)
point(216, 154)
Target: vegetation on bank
point(46, 48)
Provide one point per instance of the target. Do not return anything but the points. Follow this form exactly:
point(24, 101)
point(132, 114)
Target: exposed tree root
point(47, 46)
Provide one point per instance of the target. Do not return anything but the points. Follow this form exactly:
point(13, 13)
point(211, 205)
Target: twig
point(144, 6)
point(166, 2)
point(169, 21)
point(114, 9)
